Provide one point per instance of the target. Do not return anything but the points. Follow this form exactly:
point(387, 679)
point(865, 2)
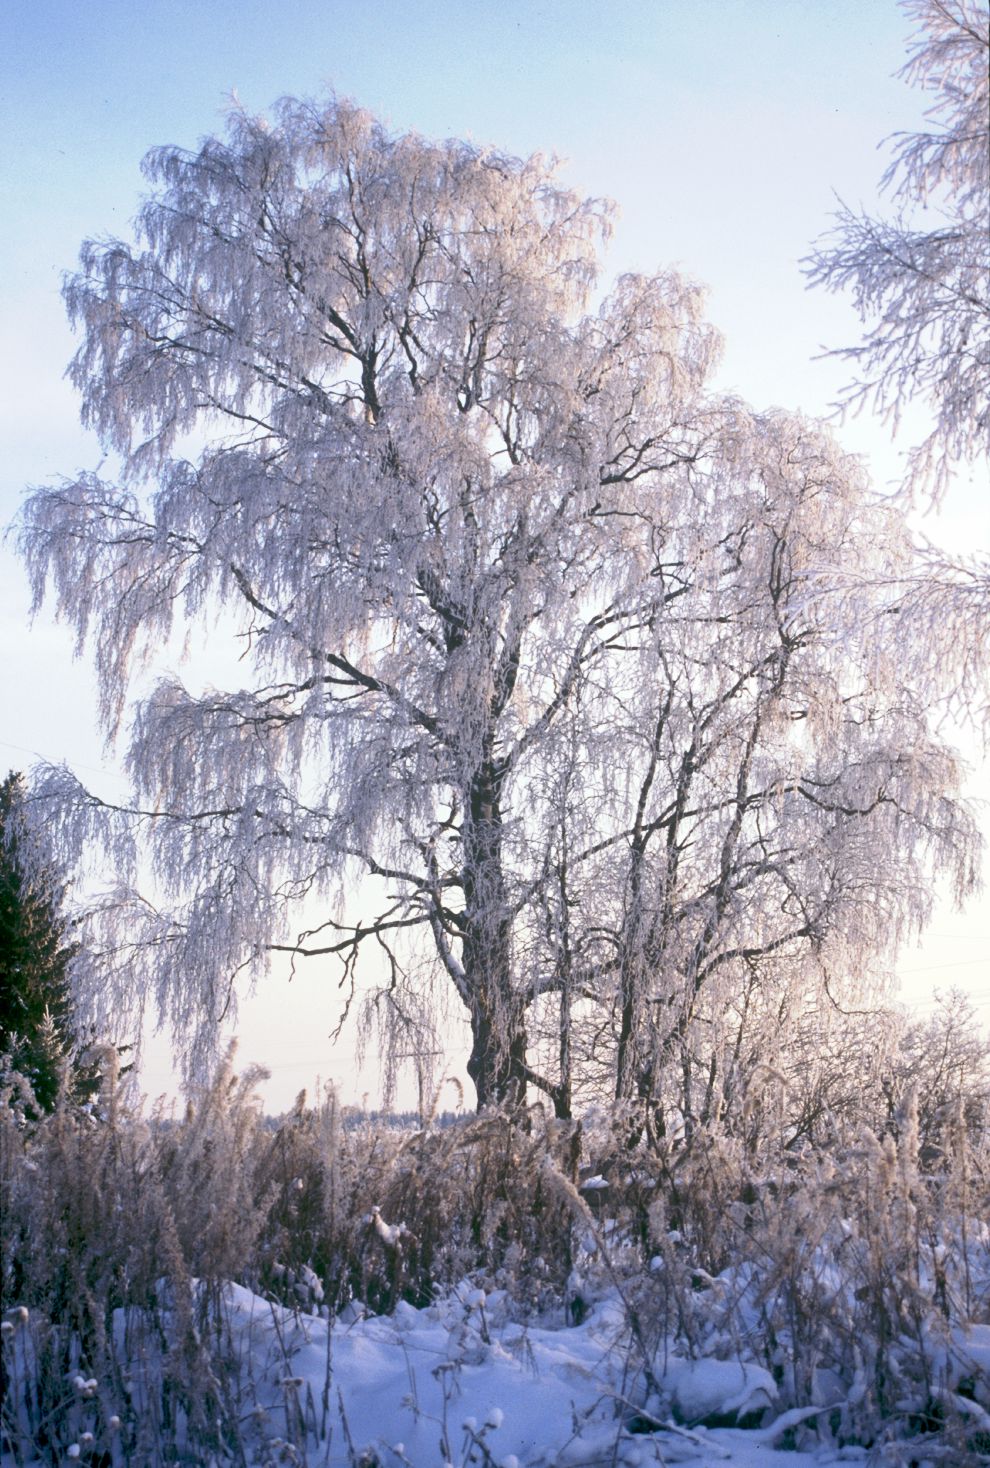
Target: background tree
point(920, 278)
point(921, 283)
point(541, 679)
point(36, 1031)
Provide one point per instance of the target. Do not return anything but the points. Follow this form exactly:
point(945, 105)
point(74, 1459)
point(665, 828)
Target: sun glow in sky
point(723, 129)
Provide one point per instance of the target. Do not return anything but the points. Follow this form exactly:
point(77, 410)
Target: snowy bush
point(183, 1289)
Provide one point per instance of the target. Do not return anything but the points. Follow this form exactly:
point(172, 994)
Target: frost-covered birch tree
point(537, 701)
point(920, 280)
point(721, 871)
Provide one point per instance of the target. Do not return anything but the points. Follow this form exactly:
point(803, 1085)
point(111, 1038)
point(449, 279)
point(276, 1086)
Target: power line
point(935, 967)
point(74, 764)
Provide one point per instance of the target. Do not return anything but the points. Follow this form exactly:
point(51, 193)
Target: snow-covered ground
point(462, 1382)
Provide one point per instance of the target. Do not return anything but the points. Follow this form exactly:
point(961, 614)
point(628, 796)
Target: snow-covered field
point(463, 1382)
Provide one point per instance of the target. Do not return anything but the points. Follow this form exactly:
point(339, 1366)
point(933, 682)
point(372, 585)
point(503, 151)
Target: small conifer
point(36, 1030)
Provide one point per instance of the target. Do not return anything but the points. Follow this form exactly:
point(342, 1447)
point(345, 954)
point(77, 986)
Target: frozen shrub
point(850, 1269)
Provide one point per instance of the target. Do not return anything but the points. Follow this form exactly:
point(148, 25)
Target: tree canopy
point(543, 705)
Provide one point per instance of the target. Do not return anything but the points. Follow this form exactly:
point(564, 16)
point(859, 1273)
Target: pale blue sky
point(721, 127)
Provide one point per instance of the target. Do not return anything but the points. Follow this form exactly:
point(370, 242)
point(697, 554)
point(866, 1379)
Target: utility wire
point(74, 764)
point(936, 967)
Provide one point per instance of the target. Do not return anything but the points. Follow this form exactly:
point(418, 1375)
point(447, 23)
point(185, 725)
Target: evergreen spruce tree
point(36, 1033)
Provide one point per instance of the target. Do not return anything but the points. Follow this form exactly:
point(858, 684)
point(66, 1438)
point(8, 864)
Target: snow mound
point(721, 1392)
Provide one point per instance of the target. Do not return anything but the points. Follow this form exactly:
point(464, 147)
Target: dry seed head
point(888, 1162)
point(657, 1218)
point(563, 1189)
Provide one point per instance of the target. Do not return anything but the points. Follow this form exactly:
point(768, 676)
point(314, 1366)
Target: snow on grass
point(462, 1383)
point(465, 1382)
